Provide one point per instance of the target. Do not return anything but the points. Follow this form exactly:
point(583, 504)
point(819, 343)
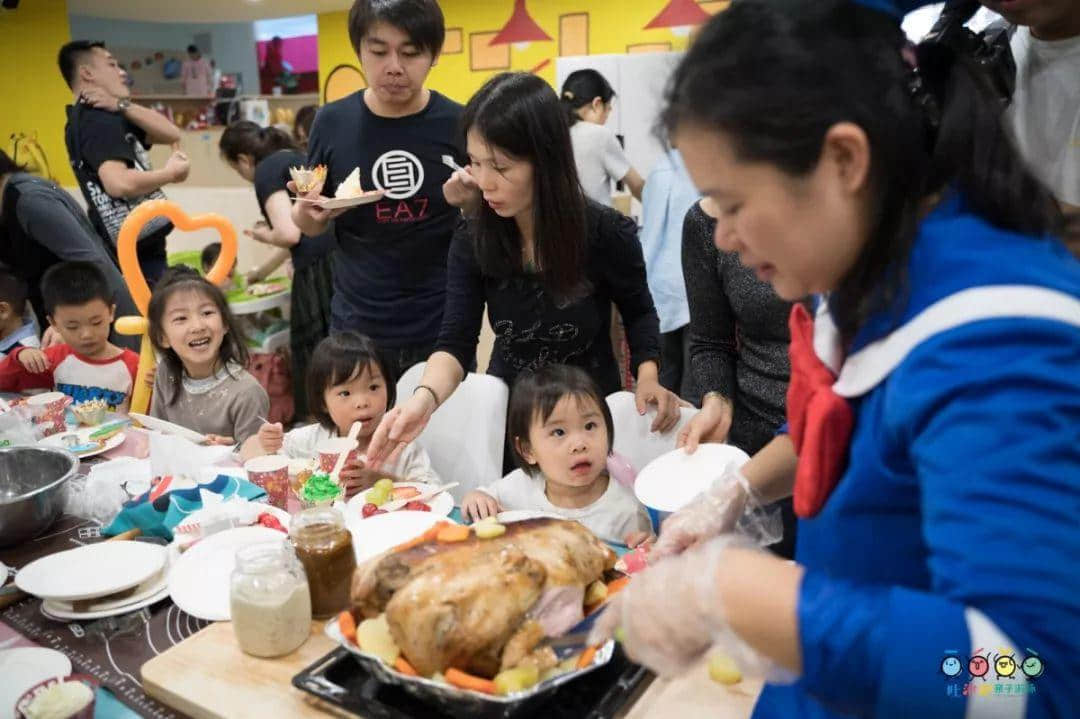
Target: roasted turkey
point(483, 604)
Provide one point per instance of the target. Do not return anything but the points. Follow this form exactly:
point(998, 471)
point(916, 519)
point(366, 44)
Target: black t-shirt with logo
point(271, 175)
point(94, 136)
point(390, 271)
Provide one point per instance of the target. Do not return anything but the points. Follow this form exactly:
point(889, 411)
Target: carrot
point(586, 657)
point(347, 624)
point(428, 536)
point(404, 667)
point(454, 533)
point(616, 584)
point(461, 680)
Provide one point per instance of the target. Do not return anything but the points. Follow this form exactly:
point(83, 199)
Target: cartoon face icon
point(1032, 667)
point(1005, 666)
point(951, 666)
point(978, 666)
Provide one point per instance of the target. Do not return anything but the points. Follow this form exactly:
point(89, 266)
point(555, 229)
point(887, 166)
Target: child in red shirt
point(86, 366)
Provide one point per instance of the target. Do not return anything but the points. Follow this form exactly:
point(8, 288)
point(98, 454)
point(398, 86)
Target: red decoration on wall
point(520, 28)
point(678, 13)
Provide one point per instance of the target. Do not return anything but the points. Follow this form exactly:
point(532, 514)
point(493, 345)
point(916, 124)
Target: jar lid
point(329, 517)
point(264, 557)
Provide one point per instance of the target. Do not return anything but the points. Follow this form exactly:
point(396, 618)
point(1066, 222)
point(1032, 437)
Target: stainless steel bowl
point(31, 482)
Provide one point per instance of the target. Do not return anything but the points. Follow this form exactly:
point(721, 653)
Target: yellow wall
point(32, 92)
point(613, 24)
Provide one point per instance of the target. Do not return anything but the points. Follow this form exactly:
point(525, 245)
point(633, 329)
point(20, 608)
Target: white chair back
point(466, 435)
point(633, 440)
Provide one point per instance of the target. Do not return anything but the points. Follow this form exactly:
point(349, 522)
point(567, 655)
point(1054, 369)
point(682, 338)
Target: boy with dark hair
point(15, 329)
point(107, 137)
point(390, 272)
point(86, 366)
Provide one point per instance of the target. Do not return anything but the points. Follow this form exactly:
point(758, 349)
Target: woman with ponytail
point(588, 98)
point(263, 156)
point(934, 399)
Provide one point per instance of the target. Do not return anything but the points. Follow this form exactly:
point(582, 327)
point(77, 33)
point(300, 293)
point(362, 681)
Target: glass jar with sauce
point(269, 600)
point(324, 547)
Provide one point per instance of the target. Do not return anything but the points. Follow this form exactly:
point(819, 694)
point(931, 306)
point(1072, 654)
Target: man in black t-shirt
point(390, 268)
point(107, 138)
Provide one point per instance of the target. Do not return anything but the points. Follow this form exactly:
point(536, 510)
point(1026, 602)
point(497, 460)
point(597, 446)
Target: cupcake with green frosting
point(319, 489)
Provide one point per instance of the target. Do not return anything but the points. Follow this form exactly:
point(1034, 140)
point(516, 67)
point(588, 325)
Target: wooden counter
point(208, 677)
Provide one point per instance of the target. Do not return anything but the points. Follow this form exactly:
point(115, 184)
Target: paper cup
point(48, 406)
point(271, 473)
point(329, 450)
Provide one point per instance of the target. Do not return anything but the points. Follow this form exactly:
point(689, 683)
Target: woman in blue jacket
point(934, 401)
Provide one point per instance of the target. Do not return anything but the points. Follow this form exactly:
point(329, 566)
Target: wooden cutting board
point(207, 677)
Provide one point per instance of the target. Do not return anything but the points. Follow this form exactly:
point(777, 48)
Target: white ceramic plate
point(22, 668)
point(672, 480)
point(57, 440)
point(334, 203)
point(64, 613)
point(150, 588)
point(199, 581)
point(91, 571)
point(165, 427)
point(441, 504)
point(375, 535)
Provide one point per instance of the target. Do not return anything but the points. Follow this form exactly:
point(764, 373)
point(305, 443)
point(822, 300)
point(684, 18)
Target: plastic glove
point(729, 505)
point(670, 615)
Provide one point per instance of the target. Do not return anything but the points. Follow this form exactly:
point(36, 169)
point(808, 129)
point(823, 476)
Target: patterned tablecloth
point(111, 650)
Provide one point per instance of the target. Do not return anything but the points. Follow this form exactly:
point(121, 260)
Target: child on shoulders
point(348, 381)
point(86, 366)
point(561, 434)
point(201, 382)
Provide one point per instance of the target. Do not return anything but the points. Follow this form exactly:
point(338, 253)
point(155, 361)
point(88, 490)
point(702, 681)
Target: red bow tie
point(819, 420)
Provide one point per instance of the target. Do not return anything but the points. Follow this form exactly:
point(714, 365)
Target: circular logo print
point(399, 173)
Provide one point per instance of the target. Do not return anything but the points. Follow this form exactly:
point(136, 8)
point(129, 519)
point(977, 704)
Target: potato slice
point(596, 593)
point(373, 636)
point(517, 679)
point(489, 530)
point(723, 669)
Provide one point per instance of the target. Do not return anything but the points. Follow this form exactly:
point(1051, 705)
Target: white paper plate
point(334, 203)
point(672, 480)
point(441, 504)
point(57, 440)
point(199, 581)
point(92, 571)
point(282, 516)
point(375, 535)
point(62, 613)
point(518, 515)
point(22, 668)
point(165, 427)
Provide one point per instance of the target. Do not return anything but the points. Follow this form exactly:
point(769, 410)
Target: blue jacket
point(956, 526)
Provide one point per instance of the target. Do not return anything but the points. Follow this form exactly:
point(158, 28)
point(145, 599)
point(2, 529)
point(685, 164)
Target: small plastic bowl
point(87, 712)
point(89, 416)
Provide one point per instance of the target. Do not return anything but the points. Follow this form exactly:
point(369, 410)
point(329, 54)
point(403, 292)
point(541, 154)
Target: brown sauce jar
point(324, 547)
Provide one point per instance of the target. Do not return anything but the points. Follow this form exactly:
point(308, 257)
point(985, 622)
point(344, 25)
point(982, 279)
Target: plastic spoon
point(335, 474)
point(422, 497)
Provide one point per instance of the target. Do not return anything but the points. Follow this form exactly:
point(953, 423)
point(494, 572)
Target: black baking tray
point(338, 678)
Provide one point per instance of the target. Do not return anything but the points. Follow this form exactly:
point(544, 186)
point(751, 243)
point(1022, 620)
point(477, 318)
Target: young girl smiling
point(201, 382)
point(348, 381)
point(561, 434)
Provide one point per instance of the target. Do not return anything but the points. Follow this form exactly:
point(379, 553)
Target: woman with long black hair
point(934, 399)
point(546, 261)
point(263, 156)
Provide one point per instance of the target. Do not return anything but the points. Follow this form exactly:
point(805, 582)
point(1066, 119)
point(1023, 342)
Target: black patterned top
point(532, 329)
point(738, 333)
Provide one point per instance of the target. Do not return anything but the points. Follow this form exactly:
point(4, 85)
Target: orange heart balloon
point(140, 290)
